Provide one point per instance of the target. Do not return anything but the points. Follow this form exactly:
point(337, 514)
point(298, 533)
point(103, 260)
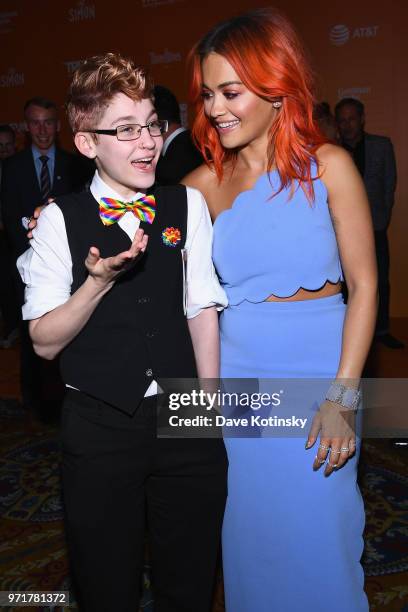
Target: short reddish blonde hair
point(97, 81)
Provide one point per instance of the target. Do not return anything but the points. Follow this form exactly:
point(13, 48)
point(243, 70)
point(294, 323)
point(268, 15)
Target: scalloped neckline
point(229, 209)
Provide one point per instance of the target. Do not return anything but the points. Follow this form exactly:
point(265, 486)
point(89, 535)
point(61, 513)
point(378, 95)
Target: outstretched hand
point(106, 270)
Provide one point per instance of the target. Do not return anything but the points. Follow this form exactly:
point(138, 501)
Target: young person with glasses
point(106, 292)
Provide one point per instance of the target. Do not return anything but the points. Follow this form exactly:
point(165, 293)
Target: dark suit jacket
point(380, 178)
point(181, 158)
point(20, 189)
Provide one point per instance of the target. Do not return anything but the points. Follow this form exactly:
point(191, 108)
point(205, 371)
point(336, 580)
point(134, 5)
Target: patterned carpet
point(32, 551)
point(384, 484)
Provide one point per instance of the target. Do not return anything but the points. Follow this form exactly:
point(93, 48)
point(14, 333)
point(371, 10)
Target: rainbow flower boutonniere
point(171, 236)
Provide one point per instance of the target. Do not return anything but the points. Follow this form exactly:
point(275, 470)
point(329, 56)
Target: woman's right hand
point(33, 220)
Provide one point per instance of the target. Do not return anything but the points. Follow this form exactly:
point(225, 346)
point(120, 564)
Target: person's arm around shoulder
point(41, 268)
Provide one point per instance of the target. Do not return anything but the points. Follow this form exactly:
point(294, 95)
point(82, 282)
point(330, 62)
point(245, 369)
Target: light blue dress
point(292, 538)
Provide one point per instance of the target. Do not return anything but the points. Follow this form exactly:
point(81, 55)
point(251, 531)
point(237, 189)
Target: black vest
point(138, 332)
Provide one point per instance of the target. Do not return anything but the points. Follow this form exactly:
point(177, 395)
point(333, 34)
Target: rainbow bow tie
point(111, 210)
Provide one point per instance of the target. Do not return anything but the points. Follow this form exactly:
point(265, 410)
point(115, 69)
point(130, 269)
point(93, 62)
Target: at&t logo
point(340, 34)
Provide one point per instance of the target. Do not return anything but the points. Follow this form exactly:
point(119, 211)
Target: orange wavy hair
point(266, 53)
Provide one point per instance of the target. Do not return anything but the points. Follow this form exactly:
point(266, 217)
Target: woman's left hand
point(336, 426)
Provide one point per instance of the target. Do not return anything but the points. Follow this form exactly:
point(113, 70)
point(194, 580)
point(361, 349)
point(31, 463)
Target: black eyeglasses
point(132, 131)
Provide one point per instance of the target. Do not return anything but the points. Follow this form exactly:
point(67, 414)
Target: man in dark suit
point(179, 155)
point(8, 300)
point(38, 172)
point(7, 142)
point(30, 178)
point(375, 160)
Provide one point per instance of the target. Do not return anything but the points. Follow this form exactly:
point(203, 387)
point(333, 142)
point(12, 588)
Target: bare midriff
point(303, 294)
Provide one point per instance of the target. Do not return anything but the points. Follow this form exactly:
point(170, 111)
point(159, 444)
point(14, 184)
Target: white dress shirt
point(46, 267)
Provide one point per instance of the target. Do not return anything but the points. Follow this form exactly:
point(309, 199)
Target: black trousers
point(117, 475)
point(41, 386)
point(8, 297)
point(383, 265)
point(31, 378)
point(31, 383)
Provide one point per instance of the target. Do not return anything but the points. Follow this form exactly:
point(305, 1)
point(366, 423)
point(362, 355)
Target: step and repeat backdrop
point(358, 48)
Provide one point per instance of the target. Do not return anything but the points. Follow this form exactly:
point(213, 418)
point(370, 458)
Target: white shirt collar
point(170, 139)
point(100, 189)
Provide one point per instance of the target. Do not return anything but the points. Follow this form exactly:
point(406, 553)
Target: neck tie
point(111, 210)
point(45, 180)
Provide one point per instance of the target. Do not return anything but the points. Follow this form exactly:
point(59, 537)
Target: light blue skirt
point(292, 538)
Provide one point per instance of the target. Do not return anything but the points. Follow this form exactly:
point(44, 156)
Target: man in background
point(375, 160)
point(29, 178)
point(8, 300)
point(38, 172)
point(179, 155)
point(7, 142)
point(325, 119)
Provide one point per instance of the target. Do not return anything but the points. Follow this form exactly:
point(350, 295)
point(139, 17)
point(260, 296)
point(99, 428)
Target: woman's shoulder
point(336, 166)
point(330, 156)
point(202, 178)
point(205, 180)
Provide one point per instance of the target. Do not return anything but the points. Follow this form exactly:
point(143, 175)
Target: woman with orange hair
point(290, 218)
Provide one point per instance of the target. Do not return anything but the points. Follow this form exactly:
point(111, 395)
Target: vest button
point(149, 372)
point(143, 300)
point(150, 334)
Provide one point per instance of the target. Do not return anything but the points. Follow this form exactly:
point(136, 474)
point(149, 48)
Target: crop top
point(267, 245)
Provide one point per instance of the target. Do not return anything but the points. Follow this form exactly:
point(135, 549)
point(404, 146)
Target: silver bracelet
point(345, 396)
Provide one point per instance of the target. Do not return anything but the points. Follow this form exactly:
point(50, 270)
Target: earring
point(277, 104)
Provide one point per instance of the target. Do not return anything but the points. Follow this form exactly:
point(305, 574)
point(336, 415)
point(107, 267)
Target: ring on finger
point(345, 449)
point(324, 447)
point(333, 452)
point(332, 465)
point(319, 460)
